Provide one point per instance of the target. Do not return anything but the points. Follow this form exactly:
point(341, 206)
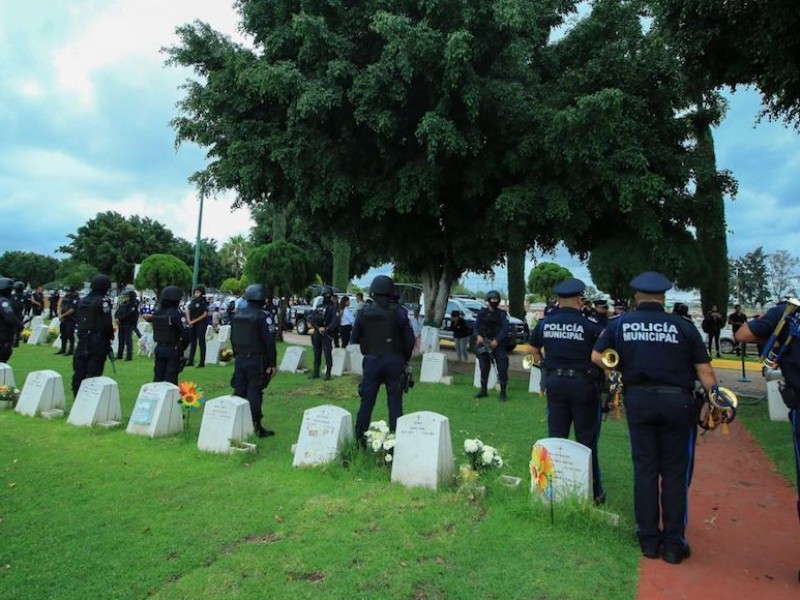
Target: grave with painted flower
point(560, 469)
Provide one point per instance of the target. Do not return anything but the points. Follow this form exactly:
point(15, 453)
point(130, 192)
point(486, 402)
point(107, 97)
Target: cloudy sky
point(85, 105)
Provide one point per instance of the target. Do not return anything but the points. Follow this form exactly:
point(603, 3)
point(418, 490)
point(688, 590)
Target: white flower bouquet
point(381, 441)
point(482, 457)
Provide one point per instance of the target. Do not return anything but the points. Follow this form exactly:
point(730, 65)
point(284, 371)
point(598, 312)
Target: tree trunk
point(279, 225)
point(436, 283)
point(341, 264)
point(515, 262)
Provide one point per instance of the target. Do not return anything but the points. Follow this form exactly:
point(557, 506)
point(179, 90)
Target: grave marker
point(156, 412)
point(561, 468)
point(7, 375)
point(476, 381)
point(423, 451)
point(42, 395)
point(294, 359)
point(38, 335)
point(777, 408)
point(97, 403)
point(356, 359)
point(324, 430)
point(434, 367)
point(37, 321)
point(535, 381)
point(341, 361)
point(226, 420)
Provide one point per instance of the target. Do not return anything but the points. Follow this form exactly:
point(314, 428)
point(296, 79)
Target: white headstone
point(7, 375)
point(294, 359)
point(210, 334)
point(429, 339)
point(341, 361)
point(356, 359)
point(324, 430)
point(145, 327)
point(535, 381)
point(37, 321)
point(777, 408)
point(476, 381)
point(225, 419)
point(43, 391)
point(55, 323)
point(224, 333)
point(156, 412)
point(434, 367)
point(561, 468)
point(213, 348)
point(423, 451)
point(39, 334)
point(97, 402)
point(147, 345)
point(57, 342)
point(115, 343)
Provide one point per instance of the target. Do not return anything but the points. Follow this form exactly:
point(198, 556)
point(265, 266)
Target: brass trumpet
point(719, 409)
point(529, 362)
point(772, 354)
point(610, 360)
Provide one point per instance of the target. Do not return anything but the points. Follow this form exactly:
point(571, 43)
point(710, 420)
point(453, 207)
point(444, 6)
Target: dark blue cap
point(651, 282)
point(569, 288)
point(601, 302)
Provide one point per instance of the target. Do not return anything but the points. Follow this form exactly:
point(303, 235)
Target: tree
point(233, 255)
point(160, 270)
point(212, 271)
point(749, 278)
point(28, 267)
point(782, 271)
point(281, 266)
point(233, 286)
point(544, 276)
point(75, 273)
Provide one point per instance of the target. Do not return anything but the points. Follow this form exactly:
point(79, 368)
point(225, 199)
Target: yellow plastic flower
point(542, 471)
point(192, 395)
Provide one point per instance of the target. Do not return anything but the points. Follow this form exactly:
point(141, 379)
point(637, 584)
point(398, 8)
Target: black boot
point(482, 393)
point(327, 375)
point(502, 397)
point(314, 375)
point(260, 431)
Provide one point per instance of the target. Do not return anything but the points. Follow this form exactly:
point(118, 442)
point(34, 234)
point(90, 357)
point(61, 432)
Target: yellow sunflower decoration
point(542, 469)
point(192, 395)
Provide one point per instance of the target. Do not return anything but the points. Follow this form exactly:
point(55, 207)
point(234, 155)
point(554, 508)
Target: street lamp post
point(196, 269)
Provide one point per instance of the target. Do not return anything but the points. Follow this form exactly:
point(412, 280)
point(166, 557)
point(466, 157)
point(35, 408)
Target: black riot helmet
point(100, 283)
point(382, 285)
point(493, 297)
point(171, 293)
point(5, 286)
point(19, 286)
point(255, 292)
point(327, 291)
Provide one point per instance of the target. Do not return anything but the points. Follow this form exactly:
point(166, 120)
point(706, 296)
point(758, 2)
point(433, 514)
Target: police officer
point(198, 321)
point(660, 356)
point(95, 332)
point(383, 331)
point(758, 331)
point(127, 315)
point(37, 301)
point(10, 323)
point(170, 334)
point(254, 348)
point(491, 329)
point(18, 300)
point(572, 383)
point(67, 321)
point(55, 296)
point(325, 321)
point(600, 312)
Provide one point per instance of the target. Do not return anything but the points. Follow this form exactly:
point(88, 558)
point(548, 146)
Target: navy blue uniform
point(18, 299)
point(10, 327)
point(127, 315)
point(326, 316)
point(68, 322)
point(95, 332)
point(197, 307)
point(254, 347)
point(492, 325)
point(172, 336)
point(790, 367)
point(658, 353)
point(571, 381)
point(384, 333)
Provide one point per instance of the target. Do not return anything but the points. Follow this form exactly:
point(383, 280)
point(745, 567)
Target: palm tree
point(234, 254)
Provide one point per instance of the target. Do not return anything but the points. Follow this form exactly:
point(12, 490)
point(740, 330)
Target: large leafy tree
point(160, 270)
point(233, 255)
point(28, 267)
point(212, 270)
point(749, 277)
point(544, 276)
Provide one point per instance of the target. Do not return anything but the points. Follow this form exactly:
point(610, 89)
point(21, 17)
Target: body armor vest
point(89, 314)
point(6, 331)
point(246, 333)
point(164, 330)
point(382, 335)
point(490, 323)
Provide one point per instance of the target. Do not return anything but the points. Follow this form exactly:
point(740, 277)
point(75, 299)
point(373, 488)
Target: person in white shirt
point(346, 320)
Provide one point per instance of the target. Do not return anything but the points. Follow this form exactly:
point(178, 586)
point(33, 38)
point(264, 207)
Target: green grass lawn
point(89, 513)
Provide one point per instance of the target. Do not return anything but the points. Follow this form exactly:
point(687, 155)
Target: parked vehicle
point(301, 313)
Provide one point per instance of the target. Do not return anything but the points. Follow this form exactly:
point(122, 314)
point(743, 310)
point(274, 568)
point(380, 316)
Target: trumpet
point(719, 409)
point(775, 348)
point(610, 360)
point(529, 362)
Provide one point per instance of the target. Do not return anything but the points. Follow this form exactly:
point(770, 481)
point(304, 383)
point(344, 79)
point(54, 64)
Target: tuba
point(719, 409)
point(610, 360)
point(775, 348)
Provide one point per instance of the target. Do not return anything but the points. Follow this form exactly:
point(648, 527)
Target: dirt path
point(743, 528)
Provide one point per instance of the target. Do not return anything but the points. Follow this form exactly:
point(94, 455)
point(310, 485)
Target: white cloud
point(42, 164)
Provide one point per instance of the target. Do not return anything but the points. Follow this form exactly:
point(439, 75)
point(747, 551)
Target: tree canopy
point(544, 276)
point(160, 270)
point(28, 267)
point(281, 266)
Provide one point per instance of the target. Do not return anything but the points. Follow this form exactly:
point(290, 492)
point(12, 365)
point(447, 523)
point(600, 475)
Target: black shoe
point(189, 364)
point(674, 555)
point(314, 376)
point(263, 433)
point(201, 366)
point(70, 353)
point(482, 394)
point(59, 352)
point(502, 397)
point(651, 548)
point(327, 377)
point(601, 499)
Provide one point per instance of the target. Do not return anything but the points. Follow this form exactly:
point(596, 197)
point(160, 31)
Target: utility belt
point(657, 388)
point(572, 373)
point(89, 333)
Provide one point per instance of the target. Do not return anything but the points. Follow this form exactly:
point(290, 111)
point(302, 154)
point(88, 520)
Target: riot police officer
point(491, 329)
point(572, 383)
point(660, 356)
point(256, 357)
point(198, 321)
point(170, 334)
point(10, 323)
point(95, 332)
point(127, 316)
point(55, 296)
point(37, 301)
point(325, 321)
point(383, 331)
point(67, 321)
point(18, 300)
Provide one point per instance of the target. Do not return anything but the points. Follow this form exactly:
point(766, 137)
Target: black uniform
point(171, 336)
point(254, 348)
point(68, 322)
point(18, 298)
point(54, 298)
point(384, 333)
point(10, 327)
point(492, 325)
point(326, 316)
point(95, 333)
point(571, 381)
point(196, 308)
point(37, 303)
point(127, 316)
point(658, 353)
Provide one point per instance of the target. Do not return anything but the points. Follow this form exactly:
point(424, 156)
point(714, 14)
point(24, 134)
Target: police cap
point(382, 285)
point(602, 303)
point(651, 282)
point(171, 293)
point(569, 288)
point(681, 309)
point(621, 304)
point(493, 295)
point(100, 283)
point(255, 292)
point(5, 284)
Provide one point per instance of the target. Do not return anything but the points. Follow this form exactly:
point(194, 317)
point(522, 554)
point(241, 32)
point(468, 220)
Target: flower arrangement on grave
point(9, 394)
point(225, 355)
point(482, 458)
point(381, 441)
point(52, 334)
point(192, 395)
point(542, 470)
point(26, 333)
